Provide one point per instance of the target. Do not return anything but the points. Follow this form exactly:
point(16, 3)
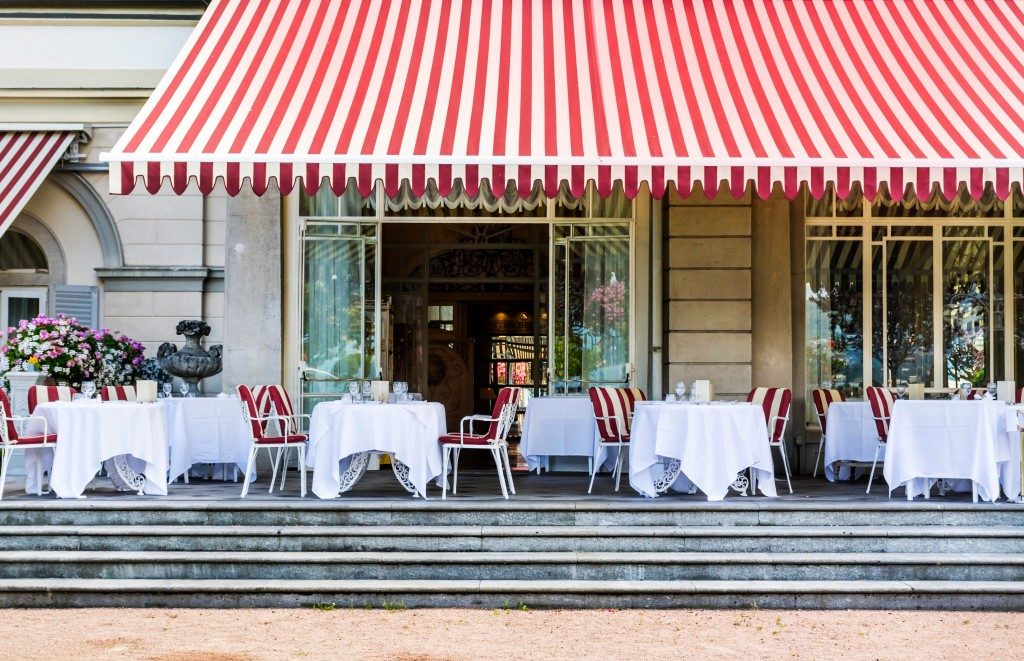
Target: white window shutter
point(78, 301)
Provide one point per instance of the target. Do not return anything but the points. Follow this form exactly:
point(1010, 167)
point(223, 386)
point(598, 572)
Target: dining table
point(557, 426)
point(206, 430)
point(958, 444)
point(128, 438)
point(343, 435)
point(851, 437)
point(708, 447)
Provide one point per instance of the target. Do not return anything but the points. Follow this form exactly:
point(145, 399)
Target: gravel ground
point(502, 634)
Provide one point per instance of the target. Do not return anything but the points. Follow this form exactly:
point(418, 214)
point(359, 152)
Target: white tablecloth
point(967, 440)
point(851, 436)
point(91, 432)
point(557, 427)
point(205, 430)
point(409, 432)
point(714, 442)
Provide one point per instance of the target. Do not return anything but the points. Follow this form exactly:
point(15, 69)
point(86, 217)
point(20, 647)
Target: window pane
point(326, 204)
point(909, 323)
point(965, 336)
point(835, 317)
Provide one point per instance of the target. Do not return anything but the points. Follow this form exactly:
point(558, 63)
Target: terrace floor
point(482, 486)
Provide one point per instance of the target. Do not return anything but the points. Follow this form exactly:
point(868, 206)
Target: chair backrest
point(822, 398)
point(256, 404)
point(506, 417)
point(776, 403)
point(881, 401)
point(117, 393)
point(8, 431)
point(1019, 396)
point(282, 405)
point(507, 395)
point(613, 410)
point(42, 394)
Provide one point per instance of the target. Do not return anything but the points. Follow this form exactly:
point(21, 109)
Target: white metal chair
point(613, 413)
point(12, 440)
point(256, 408)
point(499, 424)
point(776, 403)
point(823, 398)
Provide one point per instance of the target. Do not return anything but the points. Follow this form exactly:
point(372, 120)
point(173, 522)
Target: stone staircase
point(496, 554)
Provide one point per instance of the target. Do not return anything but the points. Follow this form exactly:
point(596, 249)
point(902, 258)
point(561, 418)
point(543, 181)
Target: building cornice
point(163, 278)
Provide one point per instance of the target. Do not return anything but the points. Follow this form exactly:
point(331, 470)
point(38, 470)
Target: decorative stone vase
point(193, 363)
point(20, 383)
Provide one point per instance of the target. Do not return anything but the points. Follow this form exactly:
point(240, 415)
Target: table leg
point(356, 468)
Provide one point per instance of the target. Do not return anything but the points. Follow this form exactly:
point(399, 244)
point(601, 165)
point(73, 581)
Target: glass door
point(966, 306)
point(591, 316)
point(340, 336)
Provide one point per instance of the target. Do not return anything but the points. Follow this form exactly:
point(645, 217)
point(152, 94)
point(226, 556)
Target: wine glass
point(165, 387)
point(680, 391)
point(965, 390)
point(401, 388)
point(901, 389)
point(693, 392)
point(183, 389)
point(353, 390)
point(991, 390)
point(367, 390)
point(88, 389)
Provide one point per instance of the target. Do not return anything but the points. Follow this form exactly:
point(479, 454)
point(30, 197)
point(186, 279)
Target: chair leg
point(593, 475)
point(619, 461)
point(455, 470)
point(817, 460)
point(444, 471)
point(871, 478)
point(302, 471)
point(501, 471)
point(785, 464)
point(508, 469)
point(248, 470)
point(273, 469)
point(5, 459)
point(284, 467)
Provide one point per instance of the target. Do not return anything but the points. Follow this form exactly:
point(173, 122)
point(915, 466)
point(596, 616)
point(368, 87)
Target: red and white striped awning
point(26, 157)
point(632, 91)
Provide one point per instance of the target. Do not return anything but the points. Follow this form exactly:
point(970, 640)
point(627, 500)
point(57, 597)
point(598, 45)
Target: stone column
point(252, 290)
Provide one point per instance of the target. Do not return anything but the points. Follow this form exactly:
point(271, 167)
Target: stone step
point(555, 566)
point(520, 539)
point(398, 594)
point(521, 512)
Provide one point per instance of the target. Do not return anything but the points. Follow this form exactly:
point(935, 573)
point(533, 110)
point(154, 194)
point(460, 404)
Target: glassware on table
point(992, 390)
point(353, 390)
point(965, 390)
point(88, 389)
point(367, 390)
point(183, 389)
point(680, 391)
point(401, 387)
point(165, 388)
point(693, 392)
point(901, 389)
point(670, 398)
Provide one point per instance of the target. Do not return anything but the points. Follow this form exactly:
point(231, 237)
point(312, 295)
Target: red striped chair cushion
point(281, 404)
point(822, 398)
point(505, 395)
point(613, 409)
point(776, 403)
point(1019, 397)
point(8, 412)
point(881, 401)
point(278, 440)
point(256, 404)
point(117, 393)
point(36, 440)
point(468, 439)
point(42, 394)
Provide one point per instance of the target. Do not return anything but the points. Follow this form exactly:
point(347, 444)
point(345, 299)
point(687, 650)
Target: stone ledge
point(162, 278)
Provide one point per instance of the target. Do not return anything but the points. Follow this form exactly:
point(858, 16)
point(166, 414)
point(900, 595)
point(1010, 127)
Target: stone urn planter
point(20, 383)
point(192, 363)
